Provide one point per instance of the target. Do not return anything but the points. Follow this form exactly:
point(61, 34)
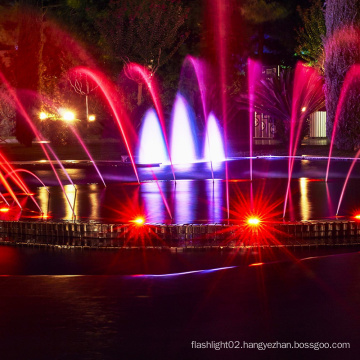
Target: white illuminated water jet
point(152, 144)
point(182, 138)
point(214, 146)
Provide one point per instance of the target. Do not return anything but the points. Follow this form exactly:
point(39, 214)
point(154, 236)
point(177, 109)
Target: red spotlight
point(139, 221)
point(253, 221)
point(4, 209)
point(357, 217)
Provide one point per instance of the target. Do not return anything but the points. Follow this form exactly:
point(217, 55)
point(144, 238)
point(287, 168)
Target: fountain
point(195, 197)
point(182, 169)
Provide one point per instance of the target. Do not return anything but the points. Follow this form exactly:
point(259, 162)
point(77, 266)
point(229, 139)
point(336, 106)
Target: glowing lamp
point(43, 116)
point(357, 217)
point(139, 221)
point(4, 209)
point(253, 221)
point(303, 109)
point(92, 118)
point(69, 116)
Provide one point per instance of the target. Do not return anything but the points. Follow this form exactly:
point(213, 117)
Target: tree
point(147, 32)
point(342, 50)
point(260, 13)
point(7, 114)
point(310, 36)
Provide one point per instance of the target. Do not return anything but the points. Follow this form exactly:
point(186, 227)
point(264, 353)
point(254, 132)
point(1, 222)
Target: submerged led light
point(138, 221)
point(253, 221)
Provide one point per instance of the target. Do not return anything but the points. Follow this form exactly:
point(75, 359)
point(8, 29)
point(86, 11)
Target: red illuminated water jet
point(38, 134)
point(109, 93)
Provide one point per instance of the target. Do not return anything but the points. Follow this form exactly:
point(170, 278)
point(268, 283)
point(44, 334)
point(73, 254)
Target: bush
point(59, 132)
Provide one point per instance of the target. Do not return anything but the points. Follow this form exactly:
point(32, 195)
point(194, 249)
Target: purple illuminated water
point(195, 198)
point(152, 148)
point(183, 145)
point(214, 144)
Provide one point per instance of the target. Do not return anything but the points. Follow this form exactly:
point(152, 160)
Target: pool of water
point(194, 198)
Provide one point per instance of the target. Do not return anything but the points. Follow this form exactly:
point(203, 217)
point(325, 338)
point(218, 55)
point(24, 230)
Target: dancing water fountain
point(187, 187)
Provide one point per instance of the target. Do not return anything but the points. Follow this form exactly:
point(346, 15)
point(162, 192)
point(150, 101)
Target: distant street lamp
point(43, 116)
point(68, 116)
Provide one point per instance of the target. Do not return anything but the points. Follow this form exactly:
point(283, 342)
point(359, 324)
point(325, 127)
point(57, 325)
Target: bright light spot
point(4, 209)
point(152, 144)
point(43, 116)
point(66, 114)
point(253, 221)
point(357, 217)
point(69, 116)
point(257, 264)
point(138, 221)
point(214, 147)
point(303, 109)
point(92, 118)
point(182, 137)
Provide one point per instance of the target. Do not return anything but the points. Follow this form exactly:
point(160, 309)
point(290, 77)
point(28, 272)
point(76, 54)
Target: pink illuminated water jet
point(346, 181)
point(151, 85)
point(254, 71)
point(306, 98)
point(199, 72)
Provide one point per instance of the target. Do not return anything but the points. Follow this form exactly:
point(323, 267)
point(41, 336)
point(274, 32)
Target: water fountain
point(183, 170)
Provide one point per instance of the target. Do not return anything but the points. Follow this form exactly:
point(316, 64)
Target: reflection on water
point(94, 202)
point(153, 203)
point(186, 201)
point(215, 200)
point(189, 201)
point(44, 200)
point(305, 205)
point(70, 191)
